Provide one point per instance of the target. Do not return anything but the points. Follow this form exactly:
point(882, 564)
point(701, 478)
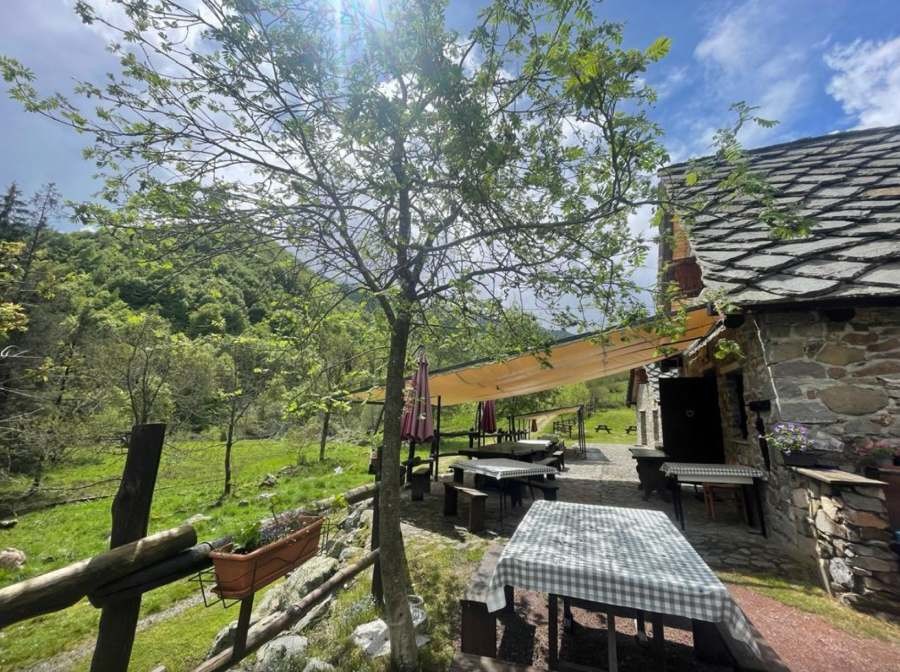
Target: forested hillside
point(227, 338)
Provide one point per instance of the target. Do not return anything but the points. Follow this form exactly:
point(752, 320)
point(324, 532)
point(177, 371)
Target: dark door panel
point(691, 425)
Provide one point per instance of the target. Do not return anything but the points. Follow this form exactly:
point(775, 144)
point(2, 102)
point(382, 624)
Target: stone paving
point(608, 477)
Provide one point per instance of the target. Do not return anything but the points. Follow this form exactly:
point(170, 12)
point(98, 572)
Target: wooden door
point(691, 424)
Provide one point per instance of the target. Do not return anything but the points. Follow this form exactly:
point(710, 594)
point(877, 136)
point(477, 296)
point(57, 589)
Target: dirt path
point(808, 643)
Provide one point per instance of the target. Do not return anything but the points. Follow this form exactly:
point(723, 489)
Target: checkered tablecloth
point(613, 555)
point(501, 467)
point(534, 443)
point(646, 452)
point(701, 470)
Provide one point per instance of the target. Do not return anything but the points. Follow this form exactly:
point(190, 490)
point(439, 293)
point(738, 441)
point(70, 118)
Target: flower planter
point(798, 458)
point(239, 575)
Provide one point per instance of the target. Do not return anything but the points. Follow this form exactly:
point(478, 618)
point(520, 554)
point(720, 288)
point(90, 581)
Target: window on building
point(656, 436)
point(644, 427)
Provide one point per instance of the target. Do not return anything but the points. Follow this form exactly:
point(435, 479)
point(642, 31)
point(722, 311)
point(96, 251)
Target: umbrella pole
point(436, 441)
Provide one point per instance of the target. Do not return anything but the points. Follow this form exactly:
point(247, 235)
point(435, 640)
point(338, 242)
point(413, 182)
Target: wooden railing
point(116, 580)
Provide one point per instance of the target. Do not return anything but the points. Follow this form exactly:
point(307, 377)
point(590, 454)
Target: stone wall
point(845, 526)
point(647, 401)
point(840, 378)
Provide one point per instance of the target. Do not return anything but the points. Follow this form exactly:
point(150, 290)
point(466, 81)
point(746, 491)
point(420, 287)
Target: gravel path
point(808, 643)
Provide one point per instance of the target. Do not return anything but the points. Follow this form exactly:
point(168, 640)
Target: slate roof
point(848, 184)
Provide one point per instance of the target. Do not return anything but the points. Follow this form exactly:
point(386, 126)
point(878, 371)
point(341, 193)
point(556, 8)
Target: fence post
point(130, 516)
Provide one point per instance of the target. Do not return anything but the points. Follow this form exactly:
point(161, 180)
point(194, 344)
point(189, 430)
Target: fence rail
point(115, 580)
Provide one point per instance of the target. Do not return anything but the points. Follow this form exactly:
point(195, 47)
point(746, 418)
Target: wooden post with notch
point(130, 517)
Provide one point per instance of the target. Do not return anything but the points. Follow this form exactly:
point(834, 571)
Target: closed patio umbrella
point(489, 417)
point(416, 425)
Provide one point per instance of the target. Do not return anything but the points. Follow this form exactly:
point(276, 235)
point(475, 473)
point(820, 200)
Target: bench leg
point(550, 494)
point(476, 514)
point(417, 490)
point(478, 631)
point(450, 499)
point(709, 646)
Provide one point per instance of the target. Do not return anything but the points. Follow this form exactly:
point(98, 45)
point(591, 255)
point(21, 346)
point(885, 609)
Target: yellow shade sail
point(572, 360)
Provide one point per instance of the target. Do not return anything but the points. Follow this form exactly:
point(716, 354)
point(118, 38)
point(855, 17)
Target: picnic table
point(499, 469)
point(700, 473)
point(524, 449)
point(622, 561)
point(648, 462)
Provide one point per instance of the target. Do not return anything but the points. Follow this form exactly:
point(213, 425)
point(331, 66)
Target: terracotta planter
point(239, 575)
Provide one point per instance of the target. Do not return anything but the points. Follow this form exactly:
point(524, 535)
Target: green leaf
point(691, 178)
point(659, 49)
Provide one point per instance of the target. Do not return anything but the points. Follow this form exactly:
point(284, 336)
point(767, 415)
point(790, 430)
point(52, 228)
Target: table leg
point(457, 475)
point(611, 641)
point(757, 493)
point(552, 631)
point(679, 505)
point(568, 619)
point(640, 626)
point(749, 505)
point(659, 641)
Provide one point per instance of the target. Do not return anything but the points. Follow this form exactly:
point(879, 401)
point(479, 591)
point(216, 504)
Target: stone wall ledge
point(837, 477)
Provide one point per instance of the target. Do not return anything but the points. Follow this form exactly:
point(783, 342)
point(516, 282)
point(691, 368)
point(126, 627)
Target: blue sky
point(817, 66)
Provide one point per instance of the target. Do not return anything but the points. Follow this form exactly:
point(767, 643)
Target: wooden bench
point(419, 482)
point(605, 428)
point(548, 488)
point(549, 462)
point(560, 456)
point(463, 662)
point(478, 626)
point(477, 502)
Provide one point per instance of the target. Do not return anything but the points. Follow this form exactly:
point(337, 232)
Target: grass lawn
point(618, 419)
point(189, 483)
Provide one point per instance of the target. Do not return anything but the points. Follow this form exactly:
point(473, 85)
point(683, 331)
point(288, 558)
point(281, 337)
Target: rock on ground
point(284, 653)
point(316, 665)
point(295, 586)
point(12, 558)
point(373, 639)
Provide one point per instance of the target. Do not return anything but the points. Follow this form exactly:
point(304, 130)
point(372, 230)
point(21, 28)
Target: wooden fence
point(115, 581)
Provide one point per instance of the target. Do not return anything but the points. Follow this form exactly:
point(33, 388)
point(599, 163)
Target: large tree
point(422, 169)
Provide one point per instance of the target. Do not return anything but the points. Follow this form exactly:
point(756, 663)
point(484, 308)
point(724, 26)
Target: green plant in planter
point(248, 537)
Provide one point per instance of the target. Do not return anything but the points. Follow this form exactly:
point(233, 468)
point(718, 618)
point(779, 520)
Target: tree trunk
point(229, 442)
point(324, 436)
point(394, 568)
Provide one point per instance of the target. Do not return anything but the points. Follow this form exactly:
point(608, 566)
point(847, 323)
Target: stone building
point(816, 321)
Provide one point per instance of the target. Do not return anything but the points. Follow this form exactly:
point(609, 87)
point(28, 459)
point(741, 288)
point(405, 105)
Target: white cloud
point(750, 52)
point(735, 36)
point(867, 81)
point(674, 79)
